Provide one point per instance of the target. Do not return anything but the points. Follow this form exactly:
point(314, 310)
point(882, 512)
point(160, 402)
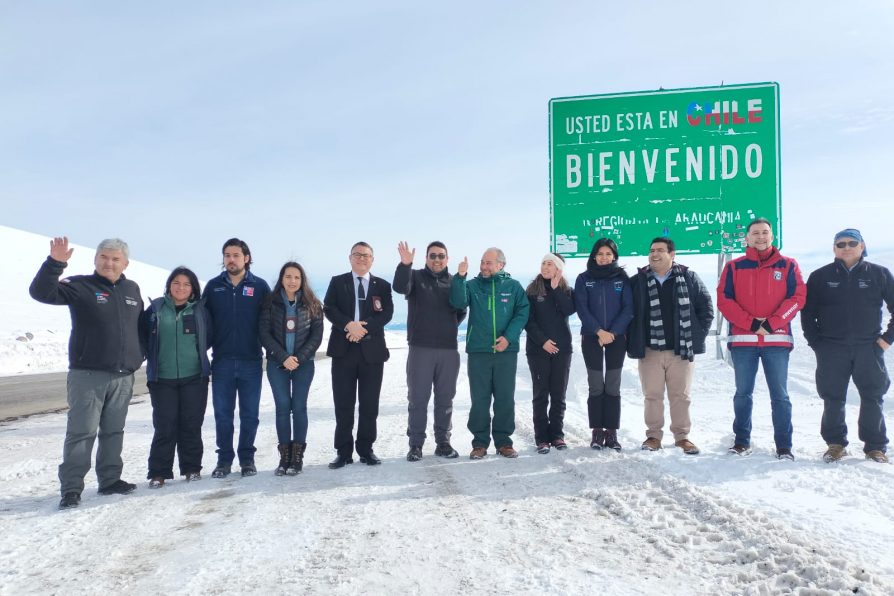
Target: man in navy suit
point(359, 306)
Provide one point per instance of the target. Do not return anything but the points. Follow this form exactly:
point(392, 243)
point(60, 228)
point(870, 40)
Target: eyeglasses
point(361, 255)
point(436, 256)
point(849, 243)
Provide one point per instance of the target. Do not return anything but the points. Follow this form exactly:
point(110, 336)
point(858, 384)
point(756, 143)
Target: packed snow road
point(574, 522)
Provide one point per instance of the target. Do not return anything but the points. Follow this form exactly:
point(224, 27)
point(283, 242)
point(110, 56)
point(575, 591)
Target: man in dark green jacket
point(498, 311)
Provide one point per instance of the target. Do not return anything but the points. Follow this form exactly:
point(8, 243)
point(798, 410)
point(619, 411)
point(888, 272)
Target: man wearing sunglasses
point(760, 294)
point(842, 322)
point(433, 358)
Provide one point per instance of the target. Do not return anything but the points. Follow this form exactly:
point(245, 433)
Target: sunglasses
point(849, 243)
point(434, 256)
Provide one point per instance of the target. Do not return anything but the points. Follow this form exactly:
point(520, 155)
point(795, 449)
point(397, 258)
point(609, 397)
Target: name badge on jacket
point(377, 304)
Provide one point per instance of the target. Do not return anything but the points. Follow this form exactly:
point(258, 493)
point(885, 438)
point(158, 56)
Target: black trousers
point(355, 381)
point(549, 377)
point(836, 365)
point(178, 410)
point(604, 399)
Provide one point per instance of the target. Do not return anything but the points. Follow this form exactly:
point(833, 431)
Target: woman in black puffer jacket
point(291, 330)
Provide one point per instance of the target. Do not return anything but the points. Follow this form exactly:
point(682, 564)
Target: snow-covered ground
point(575, 522)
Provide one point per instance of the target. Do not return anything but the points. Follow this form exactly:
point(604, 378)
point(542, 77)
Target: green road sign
point(693, 164)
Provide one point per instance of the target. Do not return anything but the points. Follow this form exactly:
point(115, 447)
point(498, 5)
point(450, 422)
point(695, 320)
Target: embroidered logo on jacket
point(777, 275)
point(247, 291)
point(102, 297)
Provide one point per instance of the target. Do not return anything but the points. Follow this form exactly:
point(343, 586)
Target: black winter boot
point(598, 440)
point(284, 459)
point(297, 458)
point(611, 439)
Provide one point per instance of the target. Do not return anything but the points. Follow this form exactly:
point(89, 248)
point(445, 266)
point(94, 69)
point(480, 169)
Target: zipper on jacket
point(177, 340)
point(493, 313)
point(604, 308)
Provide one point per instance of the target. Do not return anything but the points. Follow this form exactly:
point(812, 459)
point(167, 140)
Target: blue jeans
point(775, 363)
point(290, 389)
point(230, 377)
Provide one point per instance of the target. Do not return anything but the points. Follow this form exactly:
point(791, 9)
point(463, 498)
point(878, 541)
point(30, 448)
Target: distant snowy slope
point(34, 336)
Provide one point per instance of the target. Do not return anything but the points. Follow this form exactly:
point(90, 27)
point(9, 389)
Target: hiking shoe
point(414, 454)
point(157, 482)
point(446, 450)
point(507, 451)
point(784, 453)
point(220, 471)
point(70, 500)
point(543, 448)
point(687, 446)
point(478, 453)
point(560, 444)
point(193, 476)
point(598, 439)
point(834, 453)
point(119, 487)
point(248, 469)
point(651, 444)
point(739, 449)
point(611, 439)
point(877, 455)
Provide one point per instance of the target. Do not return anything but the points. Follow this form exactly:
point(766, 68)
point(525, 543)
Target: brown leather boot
point(297, 461)
point(284, 456)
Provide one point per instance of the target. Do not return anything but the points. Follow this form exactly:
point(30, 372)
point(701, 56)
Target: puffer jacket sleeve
point(309, 349)
point(621, 322)
point(275, 351)
point(796, 296)
point(588, 323)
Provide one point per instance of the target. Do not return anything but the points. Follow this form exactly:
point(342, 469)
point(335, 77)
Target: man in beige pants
point(672, 313)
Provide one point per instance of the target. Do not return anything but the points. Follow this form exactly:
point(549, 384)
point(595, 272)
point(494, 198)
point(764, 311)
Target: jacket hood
point(498, 276)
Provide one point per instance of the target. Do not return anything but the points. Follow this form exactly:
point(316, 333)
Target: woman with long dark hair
point(549, 350)
point(291, 330)
point(605, 308)
point(177, 328)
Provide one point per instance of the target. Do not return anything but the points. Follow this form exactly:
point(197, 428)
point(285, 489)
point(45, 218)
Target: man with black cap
point(842, 322)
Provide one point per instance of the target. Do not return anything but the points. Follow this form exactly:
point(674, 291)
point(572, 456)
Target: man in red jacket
point(760, 294)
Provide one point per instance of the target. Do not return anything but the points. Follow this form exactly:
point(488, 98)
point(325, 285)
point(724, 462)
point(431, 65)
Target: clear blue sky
point(304, 126)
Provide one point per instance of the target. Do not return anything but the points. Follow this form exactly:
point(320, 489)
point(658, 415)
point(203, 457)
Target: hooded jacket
point(752, 289)
point(497, 307)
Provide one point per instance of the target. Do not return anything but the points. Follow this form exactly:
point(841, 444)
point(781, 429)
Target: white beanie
point(559, 263)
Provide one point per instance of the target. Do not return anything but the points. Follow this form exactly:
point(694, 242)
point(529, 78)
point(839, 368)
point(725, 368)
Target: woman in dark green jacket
point(177, 329)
